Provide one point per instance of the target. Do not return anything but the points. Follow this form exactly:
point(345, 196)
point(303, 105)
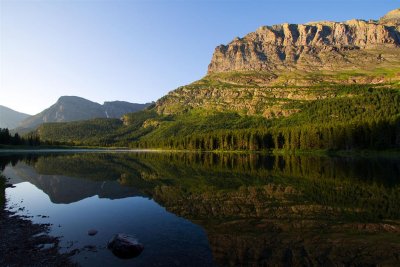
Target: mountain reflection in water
point(256, 210)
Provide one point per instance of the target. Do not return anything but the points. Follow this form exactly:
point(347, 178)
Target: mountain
point(73, 108)
point(354, 44)
point(262, 72)
point(10, 118)
point(116, 109)
point(320, 85)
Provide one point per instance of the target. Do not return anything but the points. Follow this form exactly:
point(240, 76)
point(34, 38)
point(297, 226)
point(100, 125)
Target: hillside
point(322, 85)
point(73, 108)
point(10, 118)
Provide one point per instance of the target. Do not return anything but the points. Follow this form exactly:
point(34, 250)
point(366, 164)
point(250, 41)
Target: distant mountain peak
point(70, 98)
point(75, 108)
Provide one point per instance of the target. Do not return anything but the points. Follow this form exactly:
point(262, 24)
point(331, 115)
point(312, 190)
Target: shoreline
point(23, 243)
point(389, 153)
point(73, 150)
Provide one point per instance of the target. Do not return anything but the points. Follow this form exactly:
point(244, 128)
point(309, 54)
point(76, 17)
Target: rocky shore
point(23, 243)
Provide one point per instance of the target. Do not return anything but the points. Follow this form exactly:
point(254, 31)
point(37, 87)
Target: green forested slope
point(358, 116)
point(90, 132)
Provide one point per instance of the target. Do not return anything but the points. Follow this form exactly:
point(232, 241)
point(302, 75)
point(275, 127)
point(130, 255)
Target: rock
point(392, 17)
point(125, 246)
point(316, 45)
point(92, 232)
point(46, 246)
point(91, 248)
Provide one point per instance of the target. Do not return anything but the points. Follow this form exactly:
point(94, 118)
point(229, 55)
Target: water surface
point(205, 209)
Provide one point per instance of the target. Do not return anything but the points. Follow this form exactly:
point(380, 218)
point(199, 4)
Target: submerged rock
point(92, 232)
point(125, 246)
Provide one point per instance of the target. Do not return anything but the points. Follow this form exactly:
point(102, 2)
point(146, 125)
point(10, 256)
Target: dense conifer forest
point(359, 117)
point(6, 138)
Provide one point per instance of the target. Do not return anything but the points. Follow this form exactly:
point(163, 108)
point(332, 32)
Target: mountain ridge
point(315, 45)
point(74, 108)
point(10, 118)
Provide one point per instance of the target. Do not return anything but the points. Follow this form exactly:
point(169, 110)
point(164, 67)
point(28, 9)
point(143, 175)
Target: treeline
point(376, 135)
point(90, 132)
point(368, 119)
point(7, 139)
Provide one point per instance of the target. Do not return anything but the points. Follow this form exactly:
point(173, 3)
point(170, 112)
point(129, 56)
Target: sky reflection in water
point(204, 209)
point(168, 239)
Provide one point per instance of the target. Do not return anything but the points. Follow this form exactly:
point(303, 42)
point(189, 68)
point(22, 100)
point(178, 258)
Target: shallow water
point(205, 209)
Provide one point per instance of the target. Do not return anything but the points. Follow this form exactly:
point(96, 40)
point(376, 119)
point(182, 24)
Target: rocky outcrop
point(269, 102)
point(316, 45)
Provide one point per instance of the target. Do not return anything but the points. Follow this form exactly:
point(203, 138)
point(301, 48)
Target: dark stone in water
point(125, 246)
point(90, 248)
point(46, 246)
point(92, 232)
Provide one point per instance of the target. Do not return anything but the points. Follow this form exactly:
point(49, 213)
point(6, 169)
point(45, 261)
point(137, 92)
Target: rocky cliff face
point(311, 46)
point(276, 69)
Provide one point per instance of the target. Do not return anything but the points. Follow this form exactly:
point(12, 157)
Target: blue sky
point(135, 51)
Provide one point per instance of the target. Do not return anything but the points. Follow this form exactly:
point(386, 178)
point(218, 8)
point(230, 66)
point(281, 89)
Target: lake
point(209, 209)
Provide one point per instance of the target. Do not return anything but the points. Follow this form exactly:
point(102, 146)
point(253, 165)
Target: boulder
point(92, 232)
point(125, 246)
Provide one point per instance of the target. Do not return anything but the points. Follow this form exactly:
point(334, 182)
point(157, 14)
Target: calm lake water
point(205, 209)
